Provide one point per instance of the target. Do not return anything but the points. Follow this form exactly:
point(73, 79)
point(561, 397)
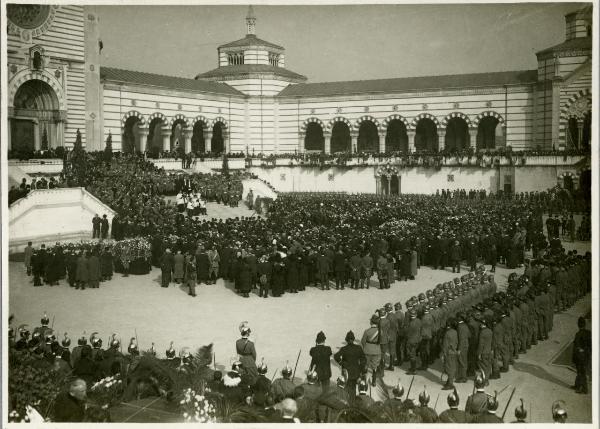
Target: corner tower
point(252, 65)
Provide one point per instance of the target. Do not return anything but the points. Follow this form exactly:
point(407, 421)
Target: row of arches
point(426, 135)
point(157, 134)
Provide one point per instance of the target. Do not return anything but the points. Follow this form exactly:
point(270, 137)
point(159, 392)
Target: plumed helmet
point(66, 341)
point(480, 380)
point(132, 348)
point(245, 329)
point(286, 372)
point(95, 340)
point(422, 297)
point(170, 353)
point(520, 411)
point(186, 356)
point(389, 307)
point(559, 411)
point(114, 342)
point(50, 337)
point(374, 319)
point(363, 387)
point(236, 366)
point(24, 331)
point(492, 402)
point(341, 382)
point(398, 390)
point(311, 377)
point(45, 321)
point(262, 368)
point(453, 399)
point(424, 397)
point(36, 335)
point(82, 341)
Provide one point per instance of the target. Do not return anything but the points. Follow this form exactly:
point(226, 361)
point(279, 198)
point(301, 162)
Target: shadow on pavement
point(539, 372)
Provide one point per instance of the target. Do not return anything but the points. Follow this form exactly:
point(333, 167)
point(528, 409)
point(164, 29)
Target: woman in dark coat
point(106, 264)
point(52, 269)
point(82, 271)
point(245, 283)
point(94, 270)
point(291, 266)
point(202, 264)
point(278, 278)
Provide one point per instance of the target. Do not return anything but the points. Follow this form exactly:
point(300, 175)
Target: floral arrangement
point(31, 415)
point(132, 249)
point(398, 226)
point(196, 408)
point(106, 392)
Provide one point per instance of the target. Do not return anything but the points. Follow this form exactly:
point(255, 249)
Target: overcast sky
point(344, 42)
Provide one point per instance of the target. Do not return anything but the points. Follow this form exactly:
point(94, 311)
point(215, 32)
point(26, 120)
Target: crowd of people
point(17, 192)
point(476, 330)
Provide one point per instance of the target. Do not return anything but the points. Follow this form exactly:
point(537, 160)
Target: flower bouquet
point(136, 251)
point(106, 392)
point(196, 408)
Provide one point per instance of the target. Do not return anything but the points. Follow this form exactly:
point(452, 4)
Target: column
point(473, 138)
point(327, 137)
point(207, 134)
point(60, 133)
point(142, 139)
point(378, 185)
point(381, 142)
point(411, 140)
point(579, 132)
point(36, 135)
point(187, 140)
point(389, 185)
point(225, 134)
point(441, 140)
point(353, 142)
point(301, 148)
point(165, 134)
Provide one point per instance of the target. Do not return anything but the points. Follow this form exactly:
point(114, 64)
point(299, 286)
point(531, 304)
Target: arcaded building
point(252, 103)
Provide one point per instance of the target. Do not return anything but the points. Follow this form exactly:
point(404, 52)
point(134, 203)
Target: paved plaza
point(283, 326)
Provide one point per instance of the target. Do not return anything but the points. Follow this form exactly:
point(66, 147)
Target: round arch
point(488, 114)
point(219, 134)
point(337, 119)
point(454, 115)
point(457, 136)
point(131, 114)
point(396, 133)
point(314, 139)
point(180, 118)
point(179, 125)
point(311, 120)
point(158, 124)
point(199, 126)
point(400, 118)
point(340, 136)
point(422, 116)
point(426, 133)
point(24, 75)
point(368, 136)
point(365, 118)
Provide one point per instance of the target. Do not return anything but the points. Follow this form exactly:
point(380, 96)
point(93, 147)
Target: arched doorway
point(154, 146)
point(198, 141)
point(396, 137)
point(35, 122)
point(489, 133)
point(131, 135)
point(340, 137)
point(314, 139)
point(426, 137)
point(572, 133)
point(218, 139)
point(368, 137)
point(177, 139)
point(586, 131)
point(385, 185)
point(457, 135)
point(568, 183)
point(395, 185)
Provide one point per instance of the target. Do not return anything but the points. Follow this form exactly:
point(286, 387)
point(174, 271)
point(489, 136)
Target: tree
point(108, 152)
point(225, 168)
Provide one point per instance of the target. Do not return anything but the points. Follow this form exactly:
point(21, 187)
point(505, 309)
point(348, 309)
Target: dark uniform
point(449, 353)
point(477, 403)
point(413, 339)
point(582, 353)
point(453, 415)
point(484, 350)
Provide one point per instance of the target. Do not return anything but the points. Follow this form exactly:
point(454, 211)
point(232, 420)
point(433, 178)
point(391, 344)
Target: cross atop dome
point(250, 21)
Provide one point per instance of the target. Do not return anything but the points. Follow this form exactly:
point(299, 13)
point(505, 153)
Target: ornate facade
point(252, 103)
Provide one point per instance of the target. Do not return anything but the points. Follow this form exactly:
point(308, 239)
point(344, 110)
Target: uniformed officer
point(401, 338)
point(453, 414)
point(582, 353)
point(384, 339)
point(484, 349)
point(464, 334)
point(393, 334)
point(413, 339)
point(426, 335)
point(283, 387)
point(497, 347)
point(449, 353)
point(477, 402)
point(490, 415)
point(43, 329)
point(371, 347)
point(395, 403)
point(363, 400)
point(427, 414)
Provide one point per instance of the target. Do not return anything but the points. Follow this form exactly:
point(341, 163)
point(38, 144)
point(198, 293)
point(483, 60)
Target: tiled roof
point(573, 44)
point(410, 84)
point(250, 40)
point(244, 69)
point(158, 80)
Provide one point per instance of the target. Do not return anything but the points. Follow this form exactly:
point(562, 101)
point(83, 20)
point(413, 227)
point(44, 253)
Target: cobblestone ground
point(284, 326)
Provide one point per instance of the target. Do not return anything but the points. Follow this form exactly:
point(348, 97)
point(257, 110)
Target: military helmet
point(236, 366)
point(559, 411)
point(245, 329)
point(453, 399)
point(66, 341)
point(45, 321)
point(311, 377)
point(50, 337)
point(389, 307)
point(23, 332)
point(82, 341)
point(341, 382)
point(492, 402)
point(186, 356)
point(132, 349)
point(422, 297)
point(520, 411)
point(398, 390)
point(170, 353)
point(262, 368)
point(95, 340)
point(114, 342)
point(363, 387)
point(424, 397)
point(286, 372)
point(480, 380)
point(36, 336)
